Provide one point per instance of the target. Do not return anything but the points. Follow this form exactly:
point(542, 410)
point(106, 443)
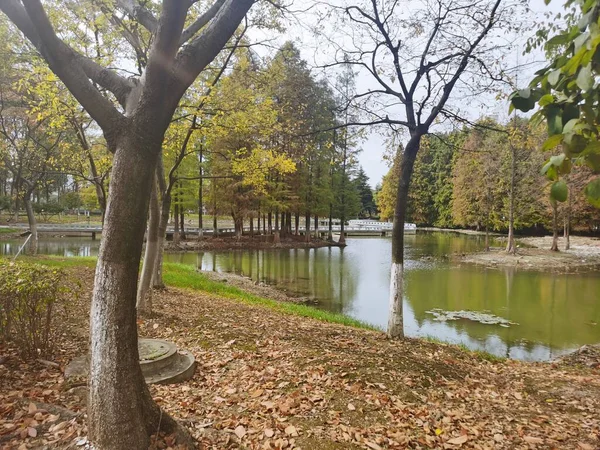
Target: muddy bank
point(256, 287)
point(246, 242)
point(533, 253)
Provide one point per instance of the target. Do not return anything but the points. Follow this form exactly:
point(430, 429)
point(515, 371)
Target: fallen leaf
point(458, 440)
point(290, 430)
point(269, 432)
point(240, 431)
point(32, 432)
point(518, 395)
point(584, 446)
point(32, 408)
point(533, 440)
point(373, 445)
point(351, 407)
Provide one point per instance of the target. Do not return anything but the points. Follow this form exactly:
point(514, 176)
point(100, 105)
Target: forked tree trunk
point(554, 247)
point(144, 293)
point(395, 320)
point(121, 412)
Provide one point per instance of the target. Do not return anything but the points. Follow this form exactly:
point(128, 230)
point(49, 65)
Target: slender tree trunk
point(554, 247)
point(100, 191)
point(316, 226)
point(144, 293)
point(33, 246)
point(567, 225)
point(330, 225)
point(307, 226)
point(510, 246)
point(276, 238)
point(395, 322)
point(157, 277)
point(200, 195)
point(215, 224)
point(121, 413)
point(182, 221)
point(176, 236)
point(297, 224)
point(283, 224)
point(270, 215)
point(251, 226)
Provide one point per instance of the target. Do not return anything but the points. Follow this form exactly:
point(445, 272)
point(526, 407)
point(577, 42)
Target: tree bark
point(121, 412)
point(307, 226)
point(144, 293)
point(31, 220)
point(200, 195)
point(395, 321)
point(297, 224)
point(567, 220)
point(554, 247)
point(510, 246)
point(182, 223)
point(316, 226)
point(270, 218)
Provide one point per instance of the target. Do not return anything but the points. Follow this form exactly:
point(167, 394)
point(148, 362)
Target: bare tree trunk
point(251, 226)
point(283, 227)
point(182, 221)
point(395, 321)
point(297, 224)
point(554, 247)
point(33, 246)
point(121, 413)
point(567, 225)
point(200, 195)
point(316, 226)
point(176, 235)
point(330, 225)
point(307, 226)
point(276, 238)
point(270, 222)
point(510, 245)
point(157, 277)
point(144, 293)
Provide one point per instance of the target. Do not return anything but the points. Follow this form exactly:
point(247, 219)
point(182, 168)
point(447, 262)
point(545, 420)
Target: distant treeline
point(462, 179)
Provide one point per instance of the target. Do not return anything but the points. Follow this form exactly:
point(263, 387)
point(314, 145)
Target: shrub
point(28, 293)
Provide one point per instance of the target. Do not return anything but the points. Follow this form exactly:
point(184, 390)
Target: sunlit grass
point(186, 277)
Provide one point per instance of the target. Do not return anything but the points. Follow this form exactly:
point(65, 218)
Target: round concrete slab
point(159, 360)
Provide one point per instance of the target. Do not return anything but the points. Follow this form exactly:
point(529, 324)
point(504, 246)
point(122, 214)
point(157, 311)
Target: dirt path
point(267, 380)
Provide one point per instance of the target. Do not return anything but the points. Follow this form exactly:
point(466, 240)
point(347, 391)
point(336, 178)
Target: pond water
point(550, 314)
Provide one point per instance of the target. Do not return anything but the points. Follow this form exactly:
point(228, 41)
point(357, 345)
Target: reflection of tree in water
point(550, 312)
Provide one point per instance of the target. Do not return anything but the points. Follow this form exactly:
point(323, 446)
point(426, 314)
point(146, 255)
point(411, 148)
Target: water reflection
point(555, 313)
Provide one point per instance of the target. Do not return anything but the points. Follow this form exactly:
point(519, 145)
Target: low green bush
point(28, 296)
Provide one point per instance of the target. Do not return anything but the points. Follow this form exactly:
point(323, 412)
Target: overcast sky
point(373, 147)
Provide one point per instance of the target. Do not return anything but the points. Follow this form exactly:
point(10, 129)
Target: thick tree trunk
point(395, 321)
point(31, 220)
point(121, 413)
point(554, 247)
point(144, 293)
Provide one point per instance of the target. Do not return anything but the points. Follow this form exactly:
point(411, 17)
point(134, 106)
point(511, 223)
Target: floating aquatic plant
point(476, 316)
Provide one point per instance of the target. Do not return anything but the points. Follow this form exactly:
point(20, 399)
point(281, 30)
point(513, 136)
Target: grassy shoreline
point(187, 277)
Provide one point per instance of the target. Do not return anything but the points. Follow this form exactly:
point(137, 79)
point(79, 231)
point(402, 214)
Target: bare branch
point(201, 21)
point(140, 14)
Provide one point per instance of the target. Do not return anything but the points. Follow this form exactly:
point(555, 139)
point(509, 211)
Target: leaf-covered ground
point(269, 380)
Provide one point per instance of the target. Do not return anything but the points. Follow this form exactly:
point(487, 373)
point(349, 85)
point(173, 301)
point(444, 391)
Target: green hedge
point(28, 294)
